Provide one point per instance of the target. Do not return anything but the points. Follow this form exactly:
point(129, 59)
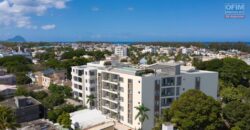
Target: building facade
point(121, 51)
point(50, 76)
point(120, 88)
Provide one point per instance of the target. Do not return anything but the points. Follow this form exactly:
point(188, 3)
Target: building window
point(92, 89)
point(177, 90)
point(178, 81)
point(166, 101)
point(86, 73)
point(80, 95)
point(169, 81)
point(121, 89)
point(80, 72)
point(75, 85)
point(197, 83)
point(139, 92)
point(79, 79)
point(168, 91)
point(92, 81)
point(86, 89)
point(91, 73)
point(120, 79)
point(130, 81)
point(80, 87)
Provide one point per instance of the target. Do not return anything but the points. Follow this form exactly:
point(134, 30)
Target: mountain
point(16, 39)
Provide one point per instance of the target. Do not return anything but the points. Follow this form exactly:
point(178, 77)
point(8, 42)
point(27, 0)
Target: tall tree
point(7, 119)
point(91, 100)
point(142, 113)
point(64, 120)
point(196, 111)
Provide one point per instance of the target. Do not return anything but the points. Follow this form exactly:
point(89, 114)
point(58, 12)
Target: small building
point(89, 119)
point(94, 120)
point(5, 78)
point(25, 108)
point(51, 76)
point(121, 51)
point(149, 49)
point(7, 91)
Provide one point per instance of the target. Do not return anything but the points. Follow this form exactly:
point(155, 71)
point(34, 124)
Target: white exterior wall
point(208, 83)
point(121, 51)
point(85, 83)
point(148, 96)
point(144, 91)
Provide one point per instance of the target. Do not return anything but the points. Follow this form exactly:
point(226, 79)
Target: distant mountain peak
point(17, 39)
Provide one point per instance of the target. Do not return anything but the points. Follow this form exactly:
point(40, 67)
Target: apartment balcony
point(110, 106)
point(168, 94)
point(111, 78)
point(111, 98)
point(110, 88)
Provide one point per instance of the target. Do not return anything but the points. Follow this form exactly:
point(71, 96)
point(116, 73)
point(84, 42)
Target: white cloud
point(48, 27)
point(17, 12)
point(95, 9)
point(130, 9)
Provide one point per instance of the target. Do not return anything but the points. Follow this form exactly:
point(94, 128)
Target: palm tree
point(91, 100)
point(7, 119)
point(142, 113)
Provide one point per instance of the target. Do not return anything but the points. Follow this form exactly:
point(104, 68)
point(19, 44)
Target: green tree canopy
point(15, 64)
point(231, 94)
point(59, 89)
point(7, 119)
point(231, 70)
point(53, 100)
point(40, 95)
point(64, 120)
point(22, 91)
point(196, 111)
point(237, 114)
point(22, 79)
point(55, 113)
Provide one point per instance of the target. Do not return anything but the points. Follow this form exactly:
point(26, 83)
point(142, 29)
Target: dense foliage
point(97, 55)
point(7, 119)
point(22, 78)
point(230, 70)
point(238, 115)
point(58, 89)
point(53, 100)
point(196, 111)
point(55, 113)
point(64, 120)
point(15, 64)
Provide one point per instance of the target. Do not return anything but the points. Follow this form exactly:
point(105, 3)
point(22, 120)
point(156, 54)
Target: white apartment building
point(121, 51)
point(149, 49)
point(120, 88)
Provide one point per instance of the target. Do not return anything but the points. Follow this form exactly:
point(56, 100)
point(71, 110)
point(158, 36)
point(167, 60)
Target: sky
point(122, 20)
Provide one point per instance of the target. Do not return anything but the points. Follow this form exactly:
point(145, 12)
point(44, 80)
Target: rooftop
point(20, 102)
point(87, 118)
point(4, 87)
point(40, 124)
